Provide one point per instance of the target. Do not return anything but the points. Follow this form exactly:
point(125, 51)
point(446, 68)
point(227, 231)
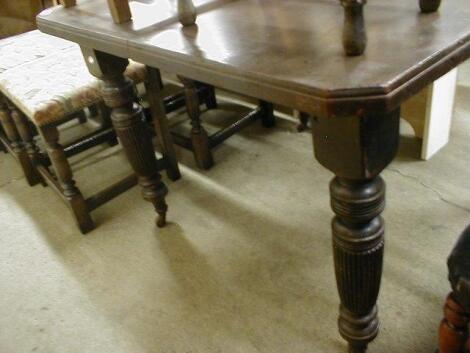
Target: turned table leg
point(127, 119)
point(356, 149)
point(199, 138)
point(354, 31)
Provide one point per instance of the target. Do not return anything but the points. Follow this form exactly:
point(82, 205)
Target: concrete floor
point(245, 264)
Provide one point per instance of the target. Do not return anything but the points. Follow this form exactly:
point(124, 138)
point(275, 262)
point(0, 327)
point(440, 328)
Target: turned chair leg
point(428, 6)
point(17, 145)
point(453, 331)
point(64, 175)
point(210, 99)
point(354, 31)
point(24, 129)
point(155, 97)
point(199, 137)
point(267, 118)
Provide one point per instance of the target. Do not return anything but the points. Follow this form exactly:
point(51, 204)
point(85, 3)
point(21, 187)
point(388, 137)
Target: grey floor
point(245, 264)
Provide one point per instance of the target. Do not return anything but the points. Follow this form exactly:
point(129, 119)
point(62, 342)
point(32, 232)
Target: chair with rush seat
point(44, 83)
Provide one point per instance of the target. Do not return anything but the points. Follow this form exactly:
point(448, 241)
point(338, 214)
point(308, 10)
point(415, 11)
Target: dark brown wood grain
point(289, 53)
point(286, 57)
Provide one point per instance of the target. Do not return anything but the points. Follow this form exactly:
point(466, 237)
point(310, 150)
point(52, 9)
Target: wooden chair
point(453, 332)
point(121, 11)
point(199, 142)
point(45, 87)
point(354, 31)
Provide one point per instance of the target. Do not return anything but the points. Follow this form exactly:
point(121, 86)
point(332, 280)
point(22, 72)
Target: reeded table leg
point(358, 242)
point(354, 32)
point(357, 149)
point(127, 118)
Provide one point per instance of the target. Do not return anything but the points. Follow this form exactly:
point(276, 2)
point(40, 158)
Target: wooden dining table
point(289, 53)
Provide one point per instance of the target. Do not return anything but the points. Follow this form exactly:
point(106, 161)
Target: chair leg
point(211, 99)
point(24, 129)
point(199, 137)
point(81, 116)
point(105, 115)
point(304, 118)
point(3, 148)
point(267, 119)
point(354, 31)
point(62, 169)
point(153, 87)
point(17, 145)
point(428, 6)
point(453, 332)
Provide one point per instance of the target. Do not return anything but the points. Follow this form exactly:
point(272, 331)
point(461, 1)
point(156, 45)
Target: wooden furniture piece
point(199, 142)
point(44, 81)
point(453, 331)
point(354, 29)
point(429, 113)
point(292, 61)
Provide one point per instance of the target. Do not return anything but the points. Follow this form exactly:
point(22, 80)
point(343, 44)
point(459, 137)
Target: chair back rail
point(121, 11)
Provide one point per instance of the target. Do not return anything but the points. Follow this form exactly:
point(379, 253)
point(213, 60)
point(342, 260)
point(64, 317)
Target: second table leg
point(127, 119)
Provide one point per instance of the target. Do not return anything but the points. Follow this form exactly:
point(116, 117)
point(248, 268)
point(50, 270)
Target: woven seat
point(47, 78)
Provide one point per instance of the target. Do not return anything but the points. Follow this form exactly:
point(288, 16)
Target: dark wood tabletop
point(286, 52)
point(290, 52)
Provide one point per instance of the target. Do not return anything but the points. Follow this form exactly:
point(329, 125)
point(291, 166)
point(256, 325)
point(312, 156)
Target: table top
point(286, 52)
